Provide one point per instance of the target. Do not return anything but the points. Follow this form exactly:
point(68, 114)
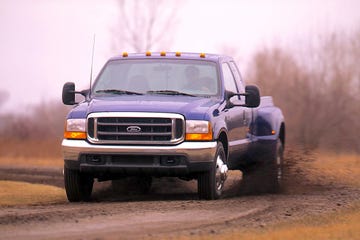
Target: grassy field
point(32, 161)
point(20, 193)
point(341, 168)
point(32, 154)
point(341, 225)
point(45, 153)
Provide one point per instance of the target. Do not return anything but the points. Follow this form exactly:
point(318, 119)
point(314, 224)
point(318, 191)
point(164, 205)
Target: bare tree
point(37, 133)
point(318, 91)
point(4, 96)
point(145, 25)
point(42, 121)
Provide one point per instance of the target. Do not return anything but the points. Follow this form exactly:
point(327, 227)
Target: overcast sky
point(45, 43)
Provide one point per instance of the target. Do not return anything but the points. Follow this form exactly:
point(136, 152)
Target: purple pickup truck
point(186, 115)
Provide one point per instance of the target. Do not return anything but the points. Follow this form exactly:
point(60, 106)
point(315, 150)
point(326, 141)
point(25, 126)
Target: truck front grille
point(135, 128)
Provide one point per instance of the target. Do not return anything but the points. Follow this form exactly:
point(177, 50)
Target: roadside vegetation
point(318, 89)
point(337, 168)
point(20, 193)
point(340, 225)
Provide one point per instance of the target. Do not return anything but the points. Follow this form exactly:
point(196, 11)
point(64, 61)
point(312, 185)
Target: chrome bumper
point(195, 152)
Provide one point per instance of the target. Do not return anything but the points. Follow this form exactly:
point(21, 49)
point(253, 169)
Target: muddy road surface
point(171, 208)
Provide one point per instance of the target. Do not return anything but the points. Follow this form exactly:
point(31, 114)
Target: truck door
point(234, 117)
point(248, 112)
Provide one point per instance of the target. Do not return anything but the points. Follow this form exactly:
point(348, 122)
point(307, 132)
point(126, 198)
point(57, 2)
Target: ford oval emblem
point(133, 129)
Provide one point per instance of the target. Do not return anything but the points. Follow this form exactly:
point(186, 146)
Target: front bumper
point(181, 159)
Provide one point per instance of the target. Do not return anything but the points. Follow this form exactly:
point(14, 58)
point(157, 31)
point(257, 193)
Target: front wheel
point(78, 185)
point(211, 182)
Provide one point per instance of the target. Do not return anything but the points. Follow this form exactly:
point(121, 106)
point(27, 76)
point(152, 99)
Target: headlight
point(197, 130)
point(75, 129)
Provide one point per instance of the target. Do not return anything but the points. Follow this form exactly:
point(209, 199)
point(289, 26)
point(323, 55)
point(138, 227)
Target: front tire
point(211, 182)
point(78, 185)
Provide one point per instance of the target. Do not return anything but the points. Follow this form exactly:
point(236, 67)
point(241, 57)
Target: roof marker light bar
point(163, 54)
point(125, 54)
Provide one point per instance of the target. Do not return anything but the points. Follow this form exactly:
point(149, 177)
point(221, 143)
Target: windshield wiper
point(170, 92)
point(118, 91)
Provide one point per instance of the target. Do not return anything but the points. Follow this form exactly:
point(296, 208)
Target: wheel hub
point(221, 171)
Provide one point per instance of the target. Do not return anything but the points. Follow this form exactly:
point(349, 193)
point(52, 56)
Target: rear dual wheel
point(266, 177)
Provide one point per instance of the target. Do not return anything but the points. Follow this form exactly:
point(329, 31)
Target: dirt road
point(171, 209)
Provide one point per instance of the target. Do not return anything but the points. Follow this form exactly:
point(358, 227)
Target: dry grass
point(32, 162)
point(342, 225)
point(30, 153)
point(48, 148)
point(20, 193)
point(340, 168)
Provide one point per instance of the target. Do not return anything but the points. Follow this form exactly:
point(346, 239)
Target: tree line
point(317, 89)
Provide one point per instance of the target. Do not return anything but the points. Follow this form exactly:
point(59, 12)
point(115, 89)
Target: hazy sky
point(45, 43)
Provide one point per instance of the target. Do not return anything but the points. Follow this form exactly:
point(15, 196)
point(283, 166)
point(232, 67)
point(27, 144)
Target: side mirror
point(68, 93)
point(252, 96)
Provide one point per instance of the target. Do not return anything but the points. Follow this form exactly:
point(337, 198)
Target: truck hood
point(189, 107)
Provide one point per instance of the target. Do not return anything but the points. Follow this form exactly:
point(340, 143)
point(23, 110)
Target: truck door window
point(229, 80)
point(237, 77)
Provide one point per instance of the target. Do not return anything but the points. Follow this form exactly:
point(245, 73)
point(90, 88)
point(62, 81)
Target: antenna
point(92, 63)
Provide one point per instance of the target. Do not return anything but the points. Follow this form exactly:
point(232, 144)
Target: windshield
point(158, 76)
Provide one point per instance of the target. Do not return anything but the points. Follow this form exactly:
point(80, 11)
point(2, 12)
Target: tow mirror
point(252, 96)
point(68, 93)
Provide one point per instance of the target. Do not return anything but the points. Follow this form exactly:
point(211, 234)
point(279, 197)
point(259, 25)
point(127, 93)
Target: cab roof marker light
point(148, 54)
point(163, 53)
point(178, 54)
point(125, 54)
point(202, 55)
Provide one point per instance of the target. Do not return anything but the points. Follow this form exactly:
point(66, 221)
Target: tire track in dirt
point(132, 224)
